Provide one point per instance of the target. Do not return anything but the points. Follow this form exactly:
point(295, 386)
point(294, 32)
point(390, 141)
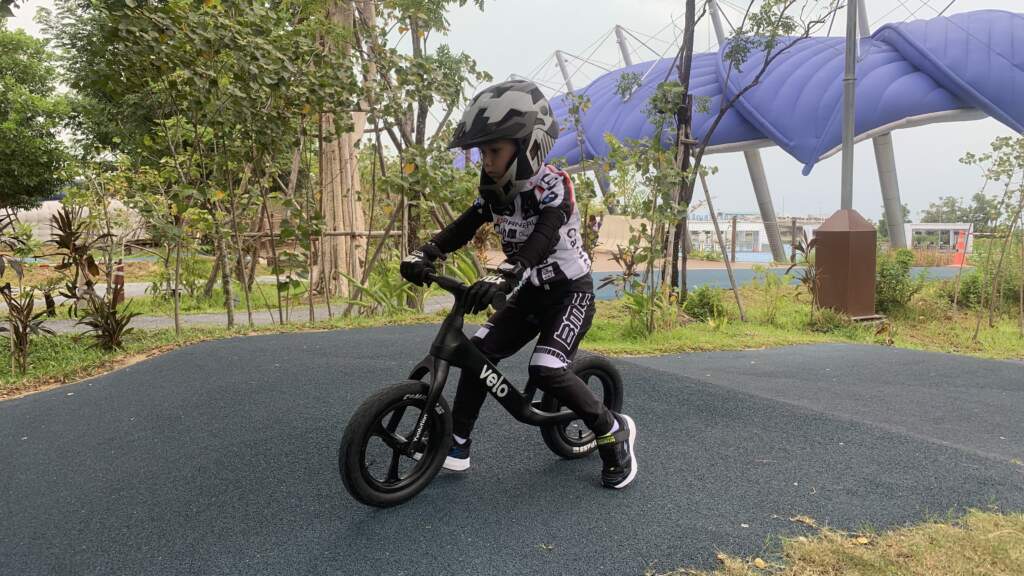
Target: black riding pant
point(561, 317)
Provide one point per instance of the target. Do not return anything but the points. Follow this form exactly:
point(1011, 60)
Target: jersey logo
point(549, 198)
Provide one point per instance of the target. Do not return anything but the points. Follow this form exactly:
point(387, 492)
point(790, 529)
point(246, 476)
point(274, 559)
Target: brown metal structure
point(844, 262)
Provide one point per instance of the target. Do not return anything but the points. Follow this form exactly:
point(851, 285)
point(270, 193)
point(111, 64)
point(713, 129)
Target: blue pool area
point(720, 279)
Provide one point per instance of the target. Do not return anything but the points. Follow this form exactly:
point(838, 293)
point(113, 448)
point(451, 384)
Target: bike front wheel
point(379, 465)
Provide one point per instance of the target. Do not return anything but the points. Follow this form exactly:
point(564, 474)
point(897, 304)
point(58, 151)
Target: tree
point(981, 212)
point(7, 8)
point(946, 209)
point(402, 87)
point(1003, 166)
point(764, 35)
point(31, 112)
point(216, 97)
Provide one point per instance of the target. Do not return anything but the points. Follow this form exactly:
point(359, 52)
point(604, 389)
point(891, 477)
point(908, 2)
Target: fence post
point(733, 249)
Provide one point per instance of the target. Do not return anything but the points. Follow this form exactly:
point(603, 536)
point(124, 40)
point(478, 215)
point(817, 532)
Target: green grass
point(608, 335)
point(67, 358)
point(978, 544)
point(263, 296)
point(927, 323)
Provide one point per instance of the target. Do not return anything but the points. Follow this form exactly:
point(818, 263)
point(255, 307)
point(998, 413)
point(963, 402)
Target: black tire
point(573, 439)
point(368, 436)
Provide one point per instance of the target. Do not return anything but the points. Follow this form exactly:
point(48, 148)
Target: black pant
point(561, 317)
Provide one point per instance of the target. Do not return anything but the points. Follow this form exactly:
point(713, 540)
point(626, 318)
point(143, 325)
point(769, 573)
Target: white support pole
point(764, 203)
point(620, 38)
point(755, 166)
point(885, 159)
point(862, 18)
point(602, 177)
point(560, 58)
point(716, 21)
point(849, 106)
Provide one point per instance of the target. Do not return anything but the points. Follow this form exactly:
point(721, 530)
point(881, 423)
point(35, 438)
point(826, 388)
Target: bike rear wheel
point(574, 439)
point(378, 465)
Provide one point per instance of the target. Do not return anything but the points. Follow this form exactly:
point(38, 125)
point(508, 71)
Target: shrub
point(649, 312)
point(192, 276)
point(827, 320)
point(972, 286)
point(894, 286)
point(704, 303)
point(772, 287)
point(385, 291)
point(107, 323)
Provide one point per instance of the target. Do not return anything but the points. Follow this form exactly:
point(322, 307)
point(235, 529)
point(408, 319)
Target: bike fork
point(438, 377)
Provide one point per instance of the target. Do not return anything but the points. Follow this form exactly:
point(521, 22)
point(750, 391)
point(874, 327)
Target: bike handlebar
point(457, 289)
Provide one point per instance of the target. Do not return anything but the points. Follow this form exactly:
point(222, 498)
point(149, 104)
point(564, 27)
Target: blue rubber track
point(221, 458)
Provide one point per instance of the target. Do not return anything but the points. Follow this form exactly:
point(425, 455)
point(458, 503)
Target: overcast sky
point(519, 36)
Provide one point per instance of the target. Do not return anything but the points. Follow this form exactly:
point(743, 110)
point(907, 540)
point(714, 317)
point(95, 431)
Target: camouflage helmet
point(514, 110)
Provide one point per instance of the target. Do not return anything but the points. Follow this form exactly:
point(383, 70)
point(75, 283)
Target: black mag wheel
point(573, 439)
point(378, 465)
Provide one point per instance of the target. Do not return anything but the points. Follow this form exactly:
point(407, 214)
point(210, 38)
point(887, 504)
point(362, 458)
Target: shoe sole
point(456, 464)
point(453, 464)
point(632, 455)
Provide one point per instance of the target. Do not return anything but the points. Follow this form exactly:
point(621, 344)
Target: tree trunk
point(225, 278)
point(211, 281)
point(177, 290)
point(684, 194)
point(340, 204)
point(420, 138)
point(246, 286)
point(273, 254)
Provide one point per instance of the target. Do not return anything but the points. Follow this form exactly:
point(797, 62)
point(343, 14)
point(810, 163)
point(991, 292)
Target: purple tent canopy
point(908, 73)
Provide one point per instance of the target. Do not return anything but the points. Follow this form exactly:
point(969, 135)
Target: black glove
point(419, 263)
point(513, 271)
point(482, 292)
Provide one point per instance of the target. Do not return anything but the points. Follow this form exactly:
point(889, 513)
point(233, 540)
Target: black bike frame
point(451, 347)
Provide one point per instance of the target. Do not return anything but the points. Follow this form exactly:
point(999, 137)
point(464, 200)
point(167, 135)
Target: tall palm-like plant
point(22, 324)
point(69, 235)
point(807, 275)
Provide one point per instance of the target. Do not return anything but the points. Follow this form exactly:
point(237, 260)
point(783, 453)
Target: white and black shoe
point(616, 449)
point(458, 456)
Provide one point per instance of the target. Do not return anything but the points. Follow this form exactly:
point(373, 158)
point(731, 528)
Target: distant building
point(751, 236)
point(941, 236)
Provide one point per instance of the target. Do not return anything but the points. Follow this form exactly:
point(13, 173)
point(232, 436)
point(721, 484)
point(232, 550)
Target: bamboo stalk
point(399, 208)
point(177, 289)
point(273, 253)
point(999, 267)
point(246, 288)
point(376, 254)
point(721, 244)
point(959, 273)
point(309, 251)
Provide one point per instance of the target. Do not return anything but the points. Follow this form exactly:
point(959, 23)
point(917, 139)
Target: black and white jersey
point(550, 188)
